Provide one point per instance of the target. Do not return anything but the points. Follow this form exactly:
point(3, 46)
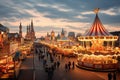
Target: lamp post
point(2, 33)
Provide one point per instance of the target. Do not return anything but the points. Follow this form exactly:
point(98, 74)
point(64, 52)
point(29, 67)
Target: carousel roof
point(97, 29)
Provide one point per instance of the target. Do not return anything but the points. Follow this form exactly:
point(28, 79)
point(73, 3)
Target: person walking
point(58, 64)
point(55, 65)
point(66, 67)
point(114, 75)
point(44, 62)
point(109, 76)
point(59, 57)
point(51, 58)
point(73, 65)
point(69, 64)
point(47, 54)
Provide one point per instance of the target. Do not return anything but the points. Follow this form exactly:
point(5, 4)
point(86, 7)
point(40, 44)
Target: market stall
point(8, 66)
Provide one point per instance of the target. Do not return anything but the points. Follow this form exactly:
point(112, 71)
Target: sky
point(47, 15)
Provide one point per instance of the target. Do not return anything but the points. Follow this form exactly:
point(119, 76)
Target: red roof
point(97, 29)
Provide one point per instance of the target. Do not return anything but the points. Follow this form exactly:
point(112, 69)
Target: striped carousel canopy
point(97, 29)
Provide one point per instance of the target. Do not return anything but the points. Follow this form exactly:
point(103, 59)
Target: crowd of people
point(69, 65)
point(52, 61)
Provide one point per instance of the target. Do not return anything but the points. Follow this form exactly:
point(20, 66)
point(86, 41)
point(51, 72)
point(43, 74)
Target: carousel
point(98, 47)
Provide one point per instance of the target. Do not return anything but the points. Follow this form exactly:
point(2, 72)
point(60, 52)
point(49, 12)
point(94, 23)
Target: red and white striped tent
point(97, 29)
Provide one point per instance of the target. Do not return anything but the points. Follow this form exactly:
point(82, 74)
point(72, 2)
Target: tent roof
point(97, 29)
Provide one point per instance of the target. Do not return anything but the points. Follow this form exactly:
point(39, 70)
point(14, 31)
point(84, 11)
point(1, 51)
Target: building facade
point(3, 35)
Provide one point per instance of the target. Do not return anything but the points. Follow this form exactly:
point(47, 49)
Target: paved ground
point(26, 70)
point(59, 74)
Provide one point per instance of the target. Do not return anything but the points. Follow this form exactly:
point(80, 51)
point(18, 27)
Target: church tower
point(27, 31)
point(62, 33)
point(32, 31)
point(52, 35)
point(30, 35)
point(20, 30)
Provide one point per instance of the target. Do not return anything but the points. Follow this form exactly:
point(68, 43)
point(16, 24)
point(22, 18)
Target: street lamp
point(2, 32)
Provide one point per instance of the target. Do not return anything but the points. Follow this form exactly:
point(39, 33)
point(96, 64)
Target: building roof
point(58, 36)
point(71, 34)
point(3, 28)
point(63, 32)
point(97, 29)
point(15, 35)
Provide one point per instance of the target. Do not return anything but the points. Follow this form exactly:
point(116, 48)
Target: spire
point(20, 30)
point(63, 32)
point(58, 36)
point(27, 29)
point(32, 29)
point(20, 25)
point(52, 33)
point(47, 34)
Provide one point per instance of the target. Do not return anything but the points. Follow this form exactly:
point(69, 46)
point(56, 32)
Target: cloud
point(56, 14)
point(59, 7)
point(111, 28)
point(87, 12)
point(111, 12)
point(81, 17)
